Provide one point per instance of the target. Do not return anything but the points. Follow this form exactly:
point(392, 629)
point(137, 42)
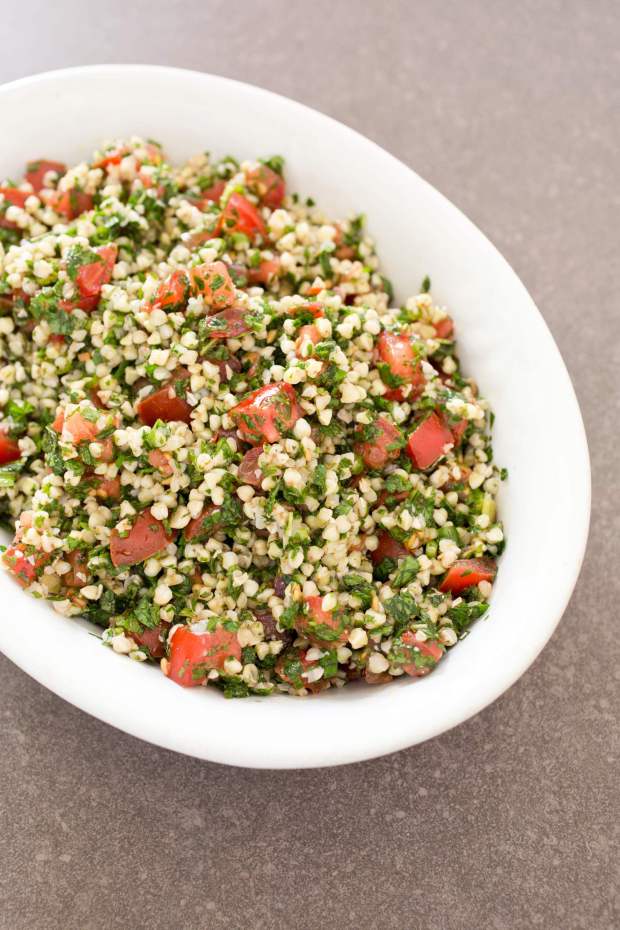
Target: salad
point(222, 439)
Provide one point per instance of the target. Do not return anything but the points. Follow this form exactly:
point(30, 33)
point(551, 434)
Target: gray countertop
point(509, 821)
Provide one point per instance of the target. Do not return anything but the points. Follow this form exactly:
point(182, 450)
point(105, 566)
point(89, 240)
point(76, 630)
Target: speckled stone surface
point(510, 821)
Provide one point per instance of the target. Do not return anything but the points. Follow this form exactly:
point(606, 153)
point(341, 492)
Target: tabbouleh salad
point(222, 440)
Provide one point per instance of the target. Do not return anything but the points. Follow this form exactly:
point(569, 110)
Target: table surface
point(509, 821)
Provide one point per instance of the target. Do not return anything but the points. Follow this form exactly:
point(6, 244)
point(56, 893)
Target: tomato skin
point(428, 650)
point(212, 194)
point(76, 427)
point(266, 413)
point(161, 461)
point(71, 204)
point(308, 334)
point(458, 430)
point(78, 576)
point(194, 527)
point(445, 328)
point(37, 169)
point(227, 324)
point(91, 278)
point(172, 293)
point(267, 184)
point(9, 449)
point(108, 489)
point(239, 215)
point(191, 652)
point(213, 283)
point(165, 404)
point(388, 548)
point(19, 564)
point(426, 443)
point(146, 537)
point(465, 573)
point(15, 197)
point(375, 452)
point(397, 352)
point(150, 638)
point(267, 270)
point(309, 624)
point(249, 470)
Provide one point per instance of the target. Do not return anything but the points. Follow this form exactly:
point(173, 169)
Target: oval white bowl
point(504, 344)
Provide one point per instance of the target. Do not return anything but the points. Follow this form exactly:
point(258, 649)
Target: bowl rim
point(388, 741)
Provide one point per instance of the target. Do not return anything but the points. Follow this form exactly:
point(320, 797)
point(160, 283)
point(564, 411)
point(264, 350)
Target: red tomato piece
point(165, 404)
point(110, 158)
point(427, 442)
point(23, 567)
point(213, 282)
point(445, 328)
point(146, 537)
point(388, 548)
point(376, 452)
point(195, 527)
point(227, 324)
point(239, 215)
point(161, 461)
point(36, 171)
point(79, 575)
point(193, 655)
point(398, 353)
point(465, 573)
point(420, 658)
point(108, 489)
point(458, 430)
point(307, 338)
point(90, 278)
point(76, 426)
point(172, 293)
point(267, 270)
point(153, 640)
point(212, 194)
point(9, 449)
point(15, 197)
point(267, 413)
point(324, 628)
point(71, 204)
point(249, 470)
point(267, 184)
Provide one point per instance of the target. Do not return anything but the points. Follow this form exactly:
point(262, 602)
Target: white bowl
point(505, 345)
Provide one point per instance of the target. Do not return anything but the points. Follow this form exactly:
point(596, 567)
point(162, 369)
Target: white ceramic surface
point(504, 344)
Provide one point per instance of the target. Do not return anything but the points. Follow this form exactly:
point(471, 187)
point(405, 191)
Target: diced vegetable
point(146, 537)
point(429, 442)
point(468, 572)
point(267, 413)
point(193, 655)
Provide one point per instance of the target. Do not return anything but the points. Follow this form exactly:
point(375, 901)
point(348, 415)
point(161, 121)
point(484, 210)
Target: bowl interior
point(504, 344)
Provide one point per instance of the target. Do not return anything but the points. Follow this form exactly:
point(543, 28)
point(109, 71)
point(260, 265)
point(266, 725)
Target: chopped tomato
point(12, 196)
point(90, 278)
point(418, 658)
point(19, 564)
point(193, 655)
point(239, 215)
point(267, 270)
point(146, 537)
point(172, 293)
point(213, 283)
point(445, 328)
point(307, 338)
point(388, 548)
point(427, 443)
point(249, 470)
point(267, 184)
point(108, 489)
point(267, 413)
point(212, 194)
point(113, 157)
point(195, 527)
point(153, 640)
point(107, 449)
point(76, 426)
point(324, 628)
point(227, 324)
point(36, 171)
point(458, 430)
point(383, 447)
point(165, 404)
point(465, 573)
point(398, 353)
point(9, 449)
point(161, 461)
point(71, 204)
point(78, 575)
